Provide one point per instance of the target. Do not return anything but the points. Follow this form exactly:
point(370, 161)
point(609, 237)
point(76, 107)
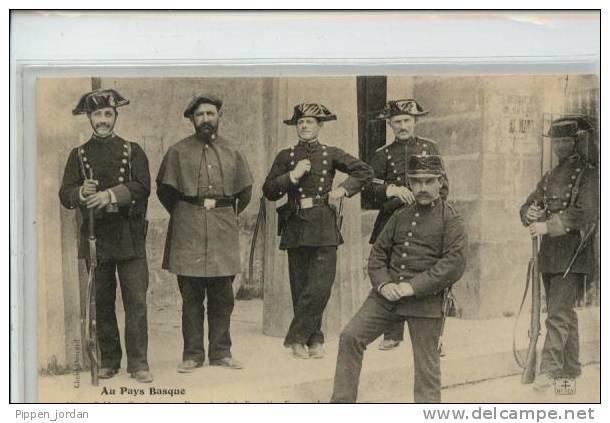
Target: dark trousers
point(561, 348)
point(133, 275)
point(395, 332)
point(220, 306)
point(367, 325)
point(312, 274)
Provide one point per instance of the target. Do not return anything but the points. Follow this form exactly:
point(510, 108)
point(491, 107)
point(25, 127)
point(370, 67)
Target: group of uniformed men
point(419, 240)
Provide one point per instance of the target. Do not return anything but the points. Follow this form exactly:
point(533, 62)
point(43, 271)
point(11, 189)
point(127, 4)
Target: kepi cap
point(425, 166)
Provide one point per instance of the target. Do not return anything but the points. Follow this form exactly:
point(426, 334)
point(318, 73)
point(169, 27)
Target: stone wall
point(487, 129)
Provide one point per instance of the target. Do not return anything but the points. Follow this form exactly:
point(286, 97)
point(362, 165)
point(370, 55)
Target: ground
point(478, 366)
point(510, 389)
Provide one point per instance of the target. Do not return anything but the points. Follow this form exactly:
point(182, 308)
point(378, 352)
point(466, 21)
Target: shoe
point(142, 376)
point(388, 344)
point(106, 372)
point(228, 362)
point(316, 350)
point(187, 366)
point(543, 383)
point(299, 351)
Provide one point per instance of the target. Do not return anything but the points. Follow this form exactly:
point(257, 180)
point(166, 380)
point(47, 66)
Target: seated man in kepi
point(418, 255)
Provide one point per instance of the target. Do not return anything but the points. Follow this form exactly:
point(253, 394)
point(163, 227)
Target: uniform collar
point(407, 141)
point(309, 145)
point(95, 137)
point(570, 160)
point(314, 142)
point(430, 206)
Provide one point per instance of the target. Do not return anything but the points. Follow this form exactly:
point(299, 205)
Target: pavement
point(477, 366)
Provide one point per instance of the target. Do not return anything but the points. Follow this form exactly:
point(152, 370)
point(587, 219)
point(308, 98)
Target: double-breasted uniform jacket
point(316, 226)
point(121, 166)
point(390, 167)
point(203, 242)
point(569, 195)
point(422, 245)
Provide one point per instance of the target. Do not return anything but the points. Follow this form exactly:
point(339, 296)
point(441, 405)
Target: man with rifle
point(562, 211)
point(389, 191)
point(108, 179)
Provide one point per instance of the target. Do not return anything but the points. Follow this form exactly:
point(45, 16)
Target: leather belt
point(308, 203)
point(209, 203)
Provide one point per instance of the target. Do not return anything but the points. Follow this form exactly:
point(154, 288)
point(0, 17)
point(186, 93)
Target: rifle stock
point(529, 369)
point(93, 349)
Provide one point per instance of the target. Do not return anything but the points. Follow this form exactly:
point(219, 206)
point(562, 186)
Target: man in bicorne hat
point(420, 252)
point(110, 175)
point(389, 190)
point(563, 209)
point(308, 223)
point(204, 182)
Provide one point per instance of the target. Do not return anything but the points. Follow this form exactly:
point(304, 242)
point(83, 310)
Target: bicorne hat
point(401, 107)
point(99, 99)
point(316, 110)
point(569, 126)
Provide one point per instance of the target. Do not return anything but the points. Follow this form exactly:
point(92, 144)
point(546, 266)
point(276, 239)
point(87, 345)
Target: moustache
point(102, 125)
point(206, 127)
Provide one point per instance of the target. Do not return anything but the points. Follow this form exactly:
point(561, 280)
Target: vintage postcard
point(389, 238)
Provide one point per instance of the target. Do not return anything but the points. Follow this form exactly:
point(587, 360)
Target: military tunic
point(568, 194)
point(202, 242)
point(123, 167)
point(426, 247)
point(313, 227)
point(120, 230)
point(311, 235)
point(571, 206)
point(390, 166)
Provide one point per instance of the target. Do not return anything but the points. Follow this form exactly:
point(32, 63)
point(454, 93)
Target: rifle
point(91, 343)
point(529, 366)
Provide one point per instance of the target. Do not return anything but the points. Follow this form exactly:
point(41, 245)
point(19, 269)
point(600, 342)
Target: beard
point(206, 130)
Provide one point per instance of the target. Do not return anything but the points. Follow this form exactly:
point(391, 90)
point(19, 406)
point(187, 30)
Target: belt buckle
point(209, 203)
point(306, 203)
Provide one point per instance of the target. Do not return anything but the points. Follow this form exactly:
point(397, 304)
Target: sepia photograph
point(392, 238)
